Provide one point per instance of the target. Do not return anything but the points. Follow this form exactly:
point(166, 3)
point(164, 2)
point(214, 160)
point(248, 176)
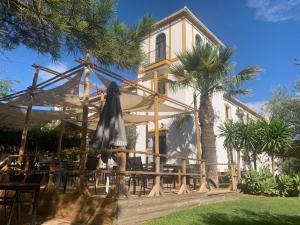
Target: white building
point(173, 34)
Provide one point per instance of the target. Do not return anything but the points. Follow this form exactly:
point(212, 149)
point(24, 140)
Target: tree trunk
point(273, 164)
point(238, 160)
point(254, 161)
point(206, 119)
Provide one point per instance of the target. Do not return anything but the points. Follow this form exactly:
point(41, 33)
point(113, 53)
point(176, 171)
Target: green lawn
point(248, 210)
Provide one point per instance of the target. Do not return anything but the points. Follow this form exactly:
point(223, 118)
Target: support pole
point(183, 189)
point(84, 127)
point(157, 189)
point(147, 144)
point(51, 185)
point(121, 188)
point(199, 147)
point(27, 117)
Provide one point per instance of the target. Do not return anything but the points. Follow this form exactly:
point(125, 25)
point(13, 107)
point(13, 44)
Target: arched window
point(198, 39)
point(160, 47)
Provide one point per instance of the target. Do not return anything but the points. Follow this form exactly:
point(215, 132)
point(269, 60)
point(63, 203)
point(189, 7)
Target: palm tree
point(208, 69)
point(228, 132)
point(276, 136)
point(231, 133)
point(249, 140)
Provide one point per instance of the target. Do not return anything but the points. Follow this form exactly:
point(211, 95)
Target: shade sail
point(14, 117)
point(131, 102)
point(66, 94)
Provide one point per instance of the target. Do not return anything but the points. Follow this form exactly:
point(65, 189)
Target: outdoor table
point(18, 188)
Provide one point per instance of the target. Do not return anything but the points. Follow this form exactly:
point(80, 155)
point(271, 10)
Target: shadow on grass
point(247, 217)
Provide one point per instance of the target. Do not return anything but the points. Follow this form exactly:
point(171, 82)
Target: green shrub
point(263, 183)
point(286, 185)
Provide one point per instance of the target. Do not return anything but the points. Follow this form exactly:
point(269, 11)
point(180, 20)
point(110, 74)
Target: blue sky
point(263, 32)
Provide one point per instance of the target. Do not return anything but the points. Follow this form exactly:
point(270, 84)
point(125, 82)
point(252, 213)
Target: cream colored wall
point(182, 142)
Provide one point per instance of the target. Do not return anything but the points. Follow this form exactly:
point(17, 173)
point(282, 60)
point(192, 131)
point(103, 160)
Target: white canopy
point(14, 117)
point(66, 94)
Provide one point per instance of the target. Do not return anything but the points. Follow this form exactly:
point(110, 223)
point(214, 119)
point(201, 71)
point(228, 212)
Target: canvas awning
point(66, 95)
point(132, 102)
point(14, 117)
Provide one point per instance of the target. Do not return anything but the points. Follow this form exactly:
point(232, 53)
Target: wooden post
point(157, 189)
point(27, 117)
point(84, 127)
point(50, 187)
point(121, 188)
point(183, 189)
point(199, 147)
point(147, 144)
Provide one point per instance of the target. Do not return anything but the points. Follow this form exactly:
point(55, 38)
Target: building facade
point(176, 33)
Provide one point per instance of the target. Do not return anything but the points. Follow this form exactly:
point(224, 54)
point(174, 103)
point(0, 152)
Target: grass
point(248, 210)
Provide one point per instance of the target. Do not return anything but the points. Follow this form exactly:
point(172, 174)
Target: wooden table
point(20, 187)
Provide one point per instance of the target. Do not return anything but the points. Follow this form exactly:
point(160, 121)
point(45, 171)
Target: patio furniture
point(90, 173)
point(7, 200)
point(170, 180)
point(31, 184)
point(135, 164)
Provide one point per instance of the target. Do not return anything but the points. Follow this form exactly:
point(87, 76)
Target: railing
point(184, 173)
point(156, 55)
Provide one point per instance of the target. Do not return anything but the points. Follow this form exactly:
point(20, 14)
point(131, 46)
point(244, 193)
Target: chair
point(91, 167)
point(193, 168)
point(135, 164)
point(7, 200)
point(34, 178)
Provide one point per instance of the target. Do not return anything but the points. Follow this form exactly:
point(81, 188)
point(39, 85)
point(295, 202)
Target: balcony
point(156, 56)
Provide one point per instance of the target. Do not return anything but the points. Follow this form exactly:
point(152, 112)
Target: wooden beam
point(27, 117)
point(157, 189)
point(183, 189)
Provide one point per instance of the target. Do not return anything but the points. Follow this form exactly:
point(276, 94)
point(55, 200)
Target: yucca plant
point(275, 137)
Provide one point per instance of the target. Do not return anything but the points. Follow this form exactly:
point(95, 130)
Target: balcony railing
point(156, 56)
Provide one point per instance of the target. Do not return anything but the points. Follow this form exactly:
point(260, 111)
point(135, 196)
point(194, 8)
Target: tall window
point(160, 47)
point(198, 39)
point(227, 112)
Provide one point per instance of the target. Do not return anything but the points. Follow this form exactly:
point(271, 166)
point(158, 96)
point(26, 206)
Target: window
point(161, 87)
point(198, 40)
point(160, 47)
point(227, 112)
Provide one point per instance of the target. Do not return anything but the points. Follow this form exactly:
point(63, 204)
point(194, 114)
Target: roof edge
point(241, 104)
point(186, 12)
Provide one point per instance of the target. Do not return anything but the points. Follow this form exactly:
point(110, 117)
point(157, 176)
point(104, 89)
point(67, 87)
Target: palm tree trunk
point(206, 119)
point(254, 160)
point(238, 152)
point(273, 164)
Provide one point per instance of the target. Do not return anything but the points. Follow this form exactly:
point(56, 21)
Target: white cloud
point(59, 67)
point(257, 106)
point(275, 10)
